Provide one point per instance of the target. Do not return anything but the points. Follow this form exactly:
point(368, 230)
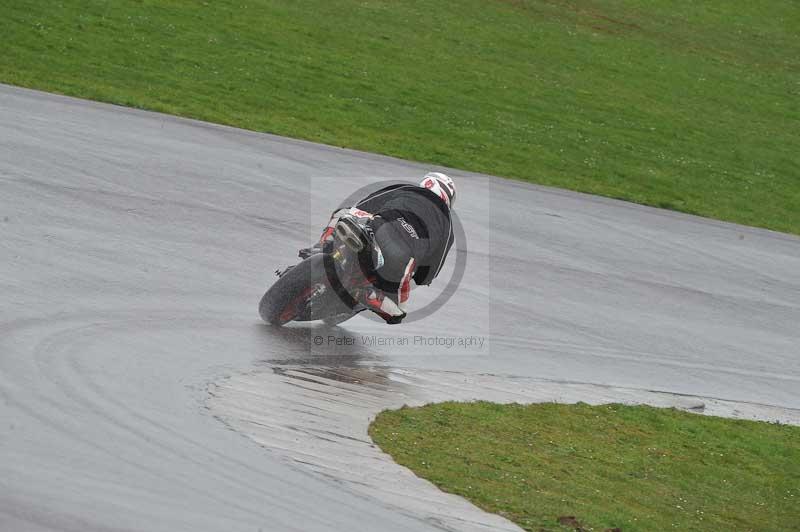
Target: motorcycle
point(327, 285)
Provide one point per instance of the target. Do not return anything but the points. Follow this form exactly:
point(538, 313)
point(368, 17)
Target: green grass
point(686, 105)
point(632, 467)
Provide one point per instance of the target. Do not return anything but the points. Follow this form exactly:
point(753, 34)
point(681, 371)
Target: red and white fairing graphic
point(405, 284)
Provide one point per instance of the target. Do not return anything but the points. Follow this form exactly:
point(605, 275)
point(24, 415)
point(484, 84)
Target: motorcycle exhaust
point(349, 232)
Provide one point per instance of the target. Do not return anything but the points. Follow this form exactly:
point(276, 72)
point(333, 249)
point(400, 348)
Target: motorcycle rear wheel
point(303, 293)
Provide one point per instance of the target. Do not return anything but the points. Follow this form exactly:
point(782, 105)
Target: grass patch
point(609, 466)
point(693, 106)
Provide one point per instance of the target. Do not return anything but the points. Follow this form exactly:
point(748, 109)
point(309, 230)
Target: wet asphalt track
point(134, 248)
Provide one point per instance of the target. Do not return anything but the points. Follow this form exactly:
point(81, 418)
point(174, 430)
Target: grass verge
point(562, 467)
point(693, 106)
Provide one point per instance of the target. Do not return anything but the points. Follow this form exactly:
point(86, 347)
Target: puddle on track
point(314, 411)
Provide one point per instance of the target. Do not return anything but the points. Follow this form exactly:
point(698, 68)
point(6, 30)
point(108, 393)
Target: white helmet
point(441, 185)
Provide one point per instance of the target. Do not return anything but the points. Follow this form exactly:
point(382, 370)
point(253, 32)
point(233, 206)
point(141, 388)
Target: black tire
point(285, 301)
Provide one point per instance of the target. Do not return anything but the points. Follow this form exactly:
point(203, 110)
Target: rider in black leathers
point(410, 233)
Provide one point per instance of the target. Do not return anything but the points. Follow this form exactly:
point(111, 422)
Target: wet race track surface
point(140, 391)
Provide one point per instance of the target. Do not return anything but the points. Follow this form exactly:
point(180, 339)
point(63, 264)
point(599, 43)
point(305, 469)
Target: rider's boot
point(319, 247)
point(307, 252)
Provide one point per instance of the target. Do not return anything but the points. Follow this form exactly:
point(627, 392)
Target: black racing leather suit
point(413, 230)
